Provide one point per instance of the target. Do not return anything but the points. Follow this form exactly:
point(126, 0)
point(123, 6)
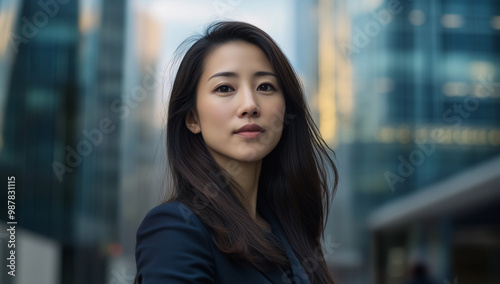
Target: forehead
point(236, 56)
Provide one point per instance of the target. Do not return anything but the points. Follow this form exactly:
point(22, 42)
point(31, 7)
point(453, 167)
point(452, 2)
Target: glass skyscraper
point(424, 142)
point(59, 136)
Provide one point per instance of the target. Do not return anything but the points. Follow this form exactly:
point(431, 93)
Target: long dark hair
point(293, 182)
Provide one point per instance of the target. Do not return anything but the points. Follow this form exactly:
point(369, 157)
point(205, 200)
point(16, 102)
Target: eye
point(224, 89)
point(266, 87)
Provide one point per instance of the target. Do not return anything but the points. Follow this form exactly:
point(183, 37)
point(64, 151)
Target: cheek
point(276, 114)
point(213, 113)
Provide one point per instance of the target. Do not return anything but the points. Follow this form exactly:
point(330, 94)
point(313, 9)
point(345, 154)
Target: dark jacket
point(173, 246)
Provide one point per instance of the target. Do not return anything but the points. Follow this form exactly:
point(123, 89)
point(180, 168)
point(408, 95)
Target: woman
point(249, 170)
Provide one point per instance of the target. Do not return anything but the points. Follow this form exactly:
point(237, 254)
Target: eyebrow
point(233, 74)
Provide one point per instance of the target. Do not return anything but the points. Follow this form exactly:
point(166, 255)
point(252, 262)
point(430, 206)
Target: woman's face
point(239, 105)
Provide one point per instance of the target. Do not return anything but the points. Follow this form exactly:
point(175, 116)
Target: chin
point(251, 157)
point(247, 159)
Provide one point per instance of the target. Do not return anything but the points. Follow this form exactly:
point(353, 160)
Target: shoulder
point(172, 211)
point(173, 219)
point(172, 216)
point(172, 243)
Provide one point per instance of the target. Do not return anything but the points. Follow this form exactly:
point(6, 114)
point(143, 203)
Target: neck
point(246, 175)
point(248, 179)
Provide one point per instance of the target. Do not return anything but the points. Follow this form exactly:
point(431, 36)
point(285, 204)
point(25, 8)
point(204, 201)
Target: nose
point(249, 106)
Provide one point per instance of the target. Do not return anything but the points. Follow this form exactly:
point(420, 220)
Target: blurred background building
point(406, 93)
point(424, 140)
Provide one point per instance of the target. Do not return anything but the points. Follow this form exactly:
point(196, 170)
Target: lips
point(249, 131)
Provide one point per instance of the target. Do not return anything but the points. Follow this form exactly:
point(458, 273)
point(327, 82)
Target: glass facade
point(59, 135)
point(425, 114)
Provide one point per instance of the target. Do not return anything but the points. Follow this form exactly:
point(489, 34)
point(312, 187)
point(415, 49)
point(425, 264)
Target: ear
point(193, 122)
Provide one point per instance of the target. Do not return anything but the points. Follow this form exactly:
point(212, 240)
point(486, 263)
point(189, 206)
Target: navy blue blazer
point(173, 246)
